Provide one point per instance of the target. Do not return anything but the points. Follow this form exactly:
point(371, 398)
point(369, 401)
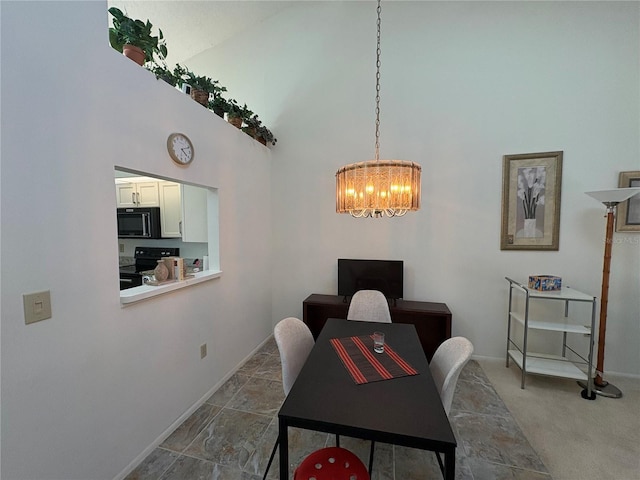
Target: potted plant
point(218, 105)
point(237, 114)
point(252, 125)
point(162, 72)
point(179, 74)
point(133, 38)
point(264, 135)
point(202, 87)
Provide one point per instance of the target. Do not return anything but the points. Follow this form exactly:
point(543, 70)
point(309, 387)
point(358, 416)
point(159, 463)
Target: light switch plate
point(37, 306)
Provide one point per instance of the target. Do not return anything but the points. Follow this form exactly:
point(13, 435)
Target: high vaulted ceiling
point(191, 27)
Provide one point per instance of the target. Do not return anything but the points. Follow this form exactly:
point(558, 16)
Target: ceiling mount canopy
point(376, 188)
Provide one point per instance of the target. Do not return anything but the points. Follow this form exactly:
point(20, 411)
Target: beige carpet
point(575, 438)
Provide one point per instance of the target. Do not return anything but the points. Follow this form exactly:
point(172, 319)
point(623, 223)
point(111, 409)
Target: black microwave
point(139, 222)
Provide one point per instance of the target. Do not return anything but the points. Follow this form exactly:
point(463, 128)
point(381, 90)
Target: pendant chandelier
point(375, 188)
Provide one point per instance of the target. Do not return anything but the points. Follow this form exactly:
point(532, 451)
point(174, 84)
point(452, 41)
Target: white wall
point(462, 85)
point(88, 390)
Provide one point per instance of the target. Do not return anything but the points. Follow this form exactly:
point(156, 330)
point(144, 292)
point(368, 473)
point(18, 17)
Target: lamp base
point(604, 390)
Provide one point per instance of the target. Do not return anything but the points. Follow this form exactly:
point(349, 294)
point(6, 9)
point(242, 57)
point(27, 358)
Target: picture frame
point(531, 188)
point(628, 212)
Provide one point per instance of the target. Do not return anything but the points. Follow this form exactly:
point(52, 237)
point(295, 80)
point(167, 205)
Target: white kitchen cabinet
point(170, 209)
point(140, 194)
point(194, 214)
point(183, 212)
point(561, 323)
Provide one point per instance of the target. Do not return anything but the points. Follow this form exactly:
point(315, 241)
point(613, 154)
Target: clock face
point(180, 148)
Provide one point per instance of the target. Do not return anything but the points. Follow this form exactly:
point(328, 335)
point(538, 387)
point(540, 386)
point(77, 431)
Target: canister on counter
point(179, 272)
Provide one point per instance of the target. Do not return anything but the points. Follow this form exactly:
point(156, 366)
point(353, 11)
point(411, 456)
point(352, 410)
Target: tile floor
point(231, 435)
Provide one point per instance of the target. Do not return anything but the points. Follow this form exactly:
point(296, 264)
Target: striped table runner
point(364, 365)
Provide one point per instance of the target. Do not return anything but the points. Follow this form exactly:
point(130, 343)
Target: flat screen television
point(384, 275)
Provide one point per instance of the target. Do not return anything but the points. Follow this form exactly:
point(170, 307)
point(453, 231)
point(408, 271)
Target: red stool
point(331, 463)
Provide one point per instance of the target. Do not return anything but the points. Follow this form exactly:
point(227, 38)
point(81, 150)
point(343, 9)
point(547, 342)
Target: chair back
point(447, 363)
point(331, 463)
point(295, 341)
point(370, 306)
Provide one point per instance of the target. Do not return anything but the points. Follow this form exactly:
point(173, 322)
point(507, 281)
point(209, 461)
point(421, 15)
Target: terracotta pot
point(250, 131)
point(262, 140)
point(134, 53)
point(219, 112)
point(235, 121)
point(200, 96)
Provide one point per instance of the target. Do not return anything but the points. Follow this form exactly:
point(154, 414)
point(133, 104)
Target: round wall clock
point(180, 148)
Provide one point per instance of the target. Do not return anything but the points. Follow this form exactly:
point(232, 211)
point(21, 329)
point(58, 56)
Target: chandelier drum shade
point(378, 187)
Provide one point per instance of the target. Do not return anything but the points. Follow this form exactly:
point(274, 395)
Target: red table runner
point(364, 365)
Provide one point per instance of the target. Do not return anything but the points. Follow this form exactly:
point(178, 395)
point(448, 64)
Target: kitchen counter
point(131, 261)
point(135, 294)
point(126, 261)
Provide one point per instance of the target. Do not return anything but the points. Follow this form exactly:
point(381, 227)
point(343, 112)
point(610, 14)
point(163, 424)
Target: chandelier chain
point(378, 188)
point(378, 87)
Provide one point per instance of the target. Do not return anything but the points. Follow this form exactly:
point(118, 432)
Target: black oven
point(129, 278)
point(139, 222)
point(146, 259)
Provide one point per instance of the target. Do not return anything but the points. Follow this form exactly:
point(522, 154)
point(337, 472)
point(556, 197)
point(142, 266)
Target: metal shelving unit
point(544, 364)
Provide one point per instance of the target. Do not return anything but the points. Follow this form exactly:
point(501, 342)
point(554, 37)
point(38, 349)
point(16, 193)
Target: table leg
point(450, 464)
point(284, 449)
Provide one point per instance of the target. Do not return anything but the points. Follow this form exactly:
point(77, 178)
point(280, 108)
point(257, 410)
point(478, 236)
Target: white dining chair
point(447, 363)
point(295, 341)
point(445, 366)
point(369, 305)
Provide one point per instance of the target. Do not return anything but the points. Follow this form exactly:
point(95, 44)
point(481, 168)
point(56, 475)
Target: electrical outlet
point(37, 306)
point(203, 350)
point(121, 247)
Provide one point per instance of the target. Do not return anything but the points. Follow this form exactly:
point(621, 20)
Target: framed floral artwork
point(628, 212)
point(531, 201)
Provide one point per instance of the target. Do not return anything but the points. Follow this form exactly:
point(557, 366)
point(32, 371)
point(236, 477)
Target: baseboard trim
point(180, 420)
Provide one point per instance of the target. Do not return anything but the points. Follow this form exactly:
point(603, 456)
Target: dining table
point(392, 400)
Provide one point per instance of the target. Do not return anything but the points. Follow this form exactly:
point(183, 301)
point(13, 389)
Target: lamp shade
point(614, 196)
point(377, 188)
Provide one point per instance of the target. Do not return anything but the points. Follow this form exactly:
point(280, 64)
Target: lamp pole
point(603, 387)
point(610, 198)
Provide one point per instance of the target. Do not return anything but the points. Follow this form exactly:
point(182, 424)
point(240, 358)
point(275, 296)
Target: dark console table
point(432, 320)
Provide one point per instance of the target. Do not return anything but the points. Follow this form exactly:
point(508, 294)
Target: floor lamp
point(610, 198)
